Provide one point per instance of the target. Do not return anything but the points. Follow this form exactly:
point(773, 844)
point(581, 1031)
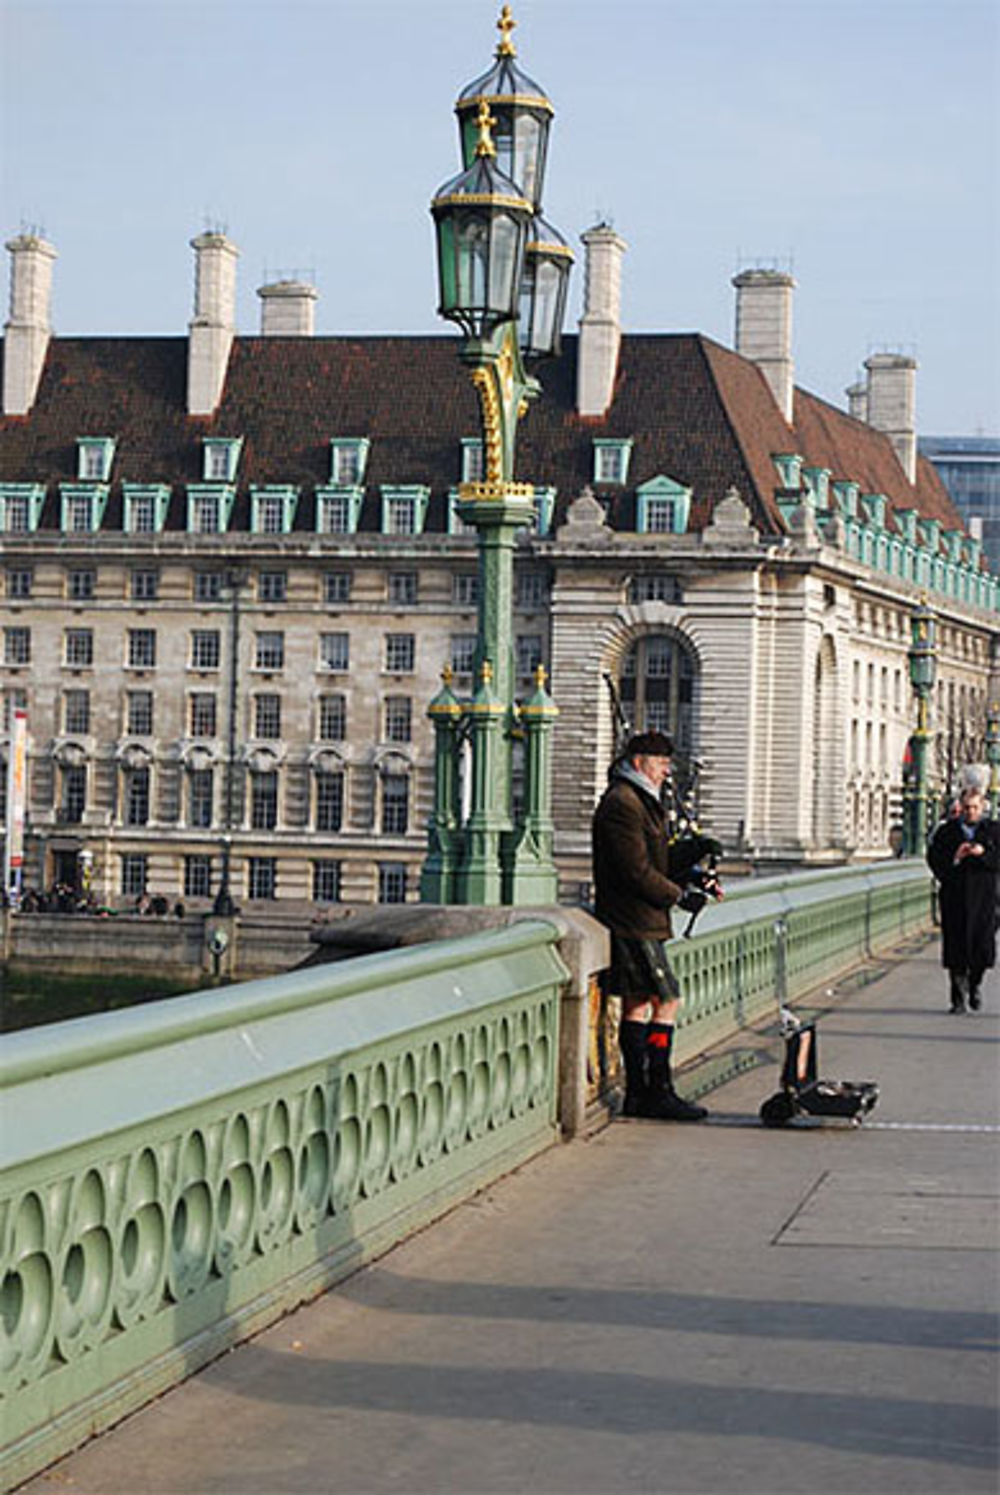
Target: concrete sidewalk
point(694, 1310)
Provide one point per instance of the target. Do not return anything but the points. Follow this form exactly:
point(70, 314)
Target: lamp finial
point(505, 25)
point(485, 121)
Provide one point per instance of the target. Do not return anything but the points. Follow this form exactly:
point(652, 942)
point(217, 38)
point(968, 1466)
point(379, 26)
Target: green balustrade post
point(529, 872)
point(479, 880)
point(437, 879)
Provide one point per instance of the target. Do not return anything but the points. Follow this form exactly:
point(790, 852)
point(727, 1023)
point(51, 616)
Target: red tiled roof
point(695, 411)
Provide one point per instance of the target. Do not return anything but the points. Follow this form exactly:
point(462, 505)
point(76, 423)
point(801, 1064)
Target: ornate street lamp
point(993, 756)
point(502, 278)
point(922, 656)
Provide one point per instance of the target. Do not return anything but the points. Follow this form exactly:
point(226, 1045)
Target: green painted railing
point(772, 941)
point(176, 1176)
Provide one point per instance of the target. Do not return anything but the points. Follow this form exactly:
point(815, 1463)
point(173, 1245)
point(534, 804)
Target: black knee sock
point(632, 1042)
point(659, 1042)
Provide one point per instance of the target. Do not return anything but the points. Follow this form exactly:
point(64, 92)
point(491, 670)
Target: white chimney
point(892, 392)
point(210, 333)
point(600, 325)
point(287, 309)
point(857, 400)
point(26, 334)
point(764, 329)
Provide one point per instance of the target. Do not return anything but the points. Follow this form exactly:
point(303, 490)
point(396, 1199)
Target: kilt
point(640, 968)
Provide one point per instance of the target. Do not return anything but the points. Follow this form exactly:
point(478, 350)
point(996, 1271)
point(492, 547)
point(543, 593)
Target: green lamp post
point(502, 278)
point(993, 756)
point(922, 657)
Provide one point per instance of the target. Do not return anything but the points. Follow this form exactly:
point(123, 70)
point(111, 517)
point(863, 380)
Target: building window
point(205, 651)
point(332, 718)
point(142, 648)
point(465, 589)
point(270, 651)
point(337, 514)
point(19, 582)
point(399, 653)
point(531, 589)
point(136, 796)
point(205, 514)
point(402, 588)
point(94, 455)
point(392, 882)
point(79, 644)
point(197, 876)
point(472, 460)
point(329, 801)
point(203, 716)
point(347, 461)
point(201, 791)
point(336, 588)
point(656, 688)
point(141, 514)
point(335, 651)
point(272, 586)
point(74, 793)
point(139, 716)
point(404, 510)
point(81, 586)
point(264, 801)
point(207, 586)
point(270, 514)
point(145, 586)
point(663, 507)
point(17, 646)
point(654, 589)
point(78, 513)
point(611, 460)
point(326, 882)
point(398, 718)
point(134, 874)
point(528, 653)
point(267, 716)
point(20, 507)
point(463, 653)
point(261, 877)
point(76, 711)
point(221, 455)
point(395, 804)
point(12, 700)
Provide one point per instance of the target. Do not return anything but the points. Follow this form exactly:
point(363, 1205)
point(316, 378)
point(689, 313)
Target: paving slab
point(701, 1310)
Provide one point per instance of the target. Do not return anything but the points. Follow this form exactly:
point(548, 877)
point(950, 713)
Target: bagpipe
point(692, 855)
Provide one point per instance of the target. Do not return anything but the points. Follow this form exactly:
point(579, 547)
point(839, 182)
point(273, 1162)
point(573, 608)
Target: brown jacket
point(632, 889)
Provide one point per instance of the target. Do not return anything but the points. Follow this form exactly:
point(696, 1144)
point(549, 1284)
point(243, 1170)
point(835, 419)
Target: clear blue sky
point(859, 139)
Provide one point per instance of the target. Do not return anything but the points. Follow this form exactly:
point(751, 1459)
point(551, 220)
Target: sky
point(855, 142)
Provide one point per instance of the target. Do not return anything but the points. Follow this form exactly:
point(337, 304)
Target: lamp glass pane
point(504, 265)
point(472, 254)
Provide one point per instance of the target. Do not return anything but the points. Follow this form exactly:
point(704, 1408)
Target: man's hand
point(968, 849)
point(692, 900)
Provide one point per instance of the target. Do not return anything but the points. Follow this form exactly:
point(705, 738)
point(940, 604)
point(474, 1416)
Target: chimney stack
point(857, 399)
point(764, 329)
point(892, 387)
point(287, 309)
point(27, 333)
point(600, 325)
point(211, 331)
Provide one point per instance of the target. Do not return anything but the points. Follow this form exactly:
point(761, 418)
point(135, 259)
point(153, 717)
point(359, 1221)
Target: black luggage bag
point(802, 1094)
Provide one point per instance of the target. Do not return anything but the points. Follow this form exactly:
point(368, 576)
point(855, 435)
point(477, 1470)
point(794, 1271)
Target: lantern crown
point(522, 113)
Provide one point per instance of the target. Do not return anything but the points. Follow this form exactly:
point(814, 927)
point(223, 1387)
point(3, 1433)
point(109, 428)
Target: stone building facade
point(232, 572)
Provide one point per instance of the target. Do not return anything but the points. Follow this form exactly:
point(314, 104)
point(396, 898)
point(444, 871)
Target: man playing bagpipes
point(640, 873)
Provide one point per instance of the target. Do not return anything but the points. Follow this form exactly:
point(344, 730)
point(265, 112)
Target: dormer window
point(817, 481)
point(404, 509)
point(473, 465)
point(789, 468)
point(209, 506)
point(348, 460)
point(20, 507)
point(337, 510)
point(845, 492)
point(145, 507)
point(875, 504)
point(907, 521)
point(94, 455)
point(611, 459)
point(82, 507)
point(272, 509)
point(663, 507)
point(220, 458)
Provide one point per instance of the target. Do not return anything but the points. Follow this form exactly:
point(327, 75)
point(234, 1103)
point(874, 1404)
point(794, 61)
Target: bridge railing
point(178, 1175)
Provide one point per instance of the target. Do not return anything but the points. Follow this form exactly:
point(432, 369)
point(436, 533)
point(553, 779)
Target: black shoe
point(960, 1006)
point(975, 1001)
point(635, 1103)
point(669, 1106)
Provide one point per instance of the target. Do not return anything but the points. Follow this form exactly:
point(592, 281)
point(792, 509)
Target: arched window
point(657, 686)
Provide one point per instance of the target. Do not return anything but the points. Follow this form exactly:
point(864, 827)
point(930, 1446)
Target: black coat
point(632, 887)
point(968, 895)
